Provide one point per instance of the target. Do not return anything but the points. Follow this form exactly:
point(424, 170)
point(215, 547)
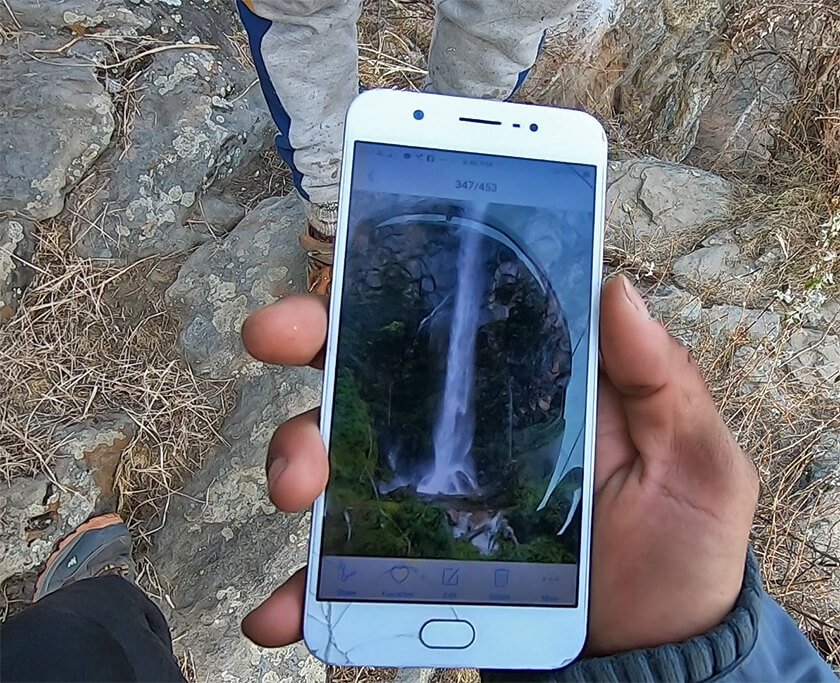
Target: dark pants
point(102, 629)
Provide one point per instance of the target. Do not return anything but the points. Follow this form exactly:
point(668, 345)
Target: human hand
point(674, 494)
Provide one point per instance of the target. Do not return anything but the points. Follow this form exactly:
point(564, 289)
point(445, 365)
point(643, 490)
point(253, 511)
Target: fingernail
point(276, 469)
point(634, 297)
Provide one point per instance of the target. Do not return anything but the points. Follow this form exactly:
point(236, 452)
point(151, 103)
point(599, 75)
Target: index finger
point(290, 332)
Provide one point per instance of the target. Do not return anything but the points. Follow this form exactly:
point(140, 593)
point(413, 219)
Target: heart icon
point(400, 573)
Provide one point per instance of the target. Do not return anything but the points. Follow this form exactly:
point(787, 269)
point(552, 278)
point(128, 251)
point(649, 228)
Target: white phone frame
point(506, 637)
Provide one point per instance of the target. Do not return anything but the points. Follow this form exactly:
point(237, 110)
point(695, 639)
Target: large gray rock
point(224, 547)
point(52, 15)
point(650, 202)
point(55, 120)
point(651, 69)
point(224, 281)
point(39, 511)
point(192, 128)
point(17, 244)
point(738, 126)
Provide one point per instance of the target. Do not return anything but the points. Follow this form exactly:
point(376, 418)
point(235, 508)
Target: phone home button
point(447, 634)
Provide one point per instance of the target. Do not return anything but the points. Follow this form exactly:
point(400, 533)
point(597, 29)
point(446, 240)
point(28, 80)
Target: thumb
point(636, 350)
point(671, 417)
point(278, 621)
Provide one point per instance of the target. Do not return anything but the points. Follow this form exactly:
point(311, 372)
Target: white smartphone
point(460, 387)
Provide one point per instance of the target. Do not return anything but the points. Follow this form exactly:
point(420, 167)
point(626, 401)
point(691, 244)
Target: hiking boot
point(319, 242)
point(100, 546)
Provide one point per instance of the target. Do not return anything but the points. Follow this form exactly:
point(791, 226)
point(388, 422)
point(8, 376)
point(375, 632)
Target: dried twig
point(154, 51)
point(12, 14)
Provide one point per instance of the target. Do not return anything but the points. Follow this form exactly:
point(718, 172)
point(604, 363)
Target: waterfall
point(453, 470)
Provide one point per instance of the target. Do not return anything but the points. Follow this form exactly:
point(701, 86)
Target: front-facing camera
point(534, 127)
point(418, 114)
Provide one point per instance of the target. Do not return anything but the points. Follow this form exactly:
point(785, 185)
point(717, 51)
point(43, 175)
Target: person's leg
point(89, 621)
point(99, 629)
point(485, 48)
point(306, 56)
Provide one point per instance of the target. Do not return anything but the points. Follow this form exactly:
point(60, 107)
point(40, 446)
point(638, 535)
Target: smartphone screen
point(457, 433)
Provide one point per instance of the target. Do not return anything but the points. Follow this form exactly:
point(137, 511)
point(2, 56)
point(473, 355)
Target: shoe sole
point(93, 524)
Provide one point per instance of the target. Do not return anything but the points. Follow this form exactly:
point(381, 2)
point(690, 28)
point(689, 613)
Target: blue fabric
point(781, 652)
point(757, 642)
point(523, 75)
point(256, 27)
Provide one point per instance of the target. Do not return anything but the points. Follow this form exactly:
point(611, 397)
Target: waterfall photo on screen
point(453, 436)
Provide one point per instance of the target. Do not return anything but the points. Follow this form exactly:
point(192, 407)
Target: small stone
point(721, 265)
point(16, 248)
point(674, 306)
point(38, 513)
point(726, 322)
point(218, 212)
point(678, 310)
point(813, 358)
point(720, 238)
point(825, 463)
point(826, 318)
point(100, 444)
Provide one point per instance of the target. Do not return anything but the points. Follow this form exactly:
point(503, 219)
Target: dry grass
point(779, 421)
point(92, 338)
point(798, 206)
point(394, 39)
point(77, 349)
point(361, 674)
point(790, 208)
point(267, 176)
point(456, 676)
point(804, 35)
point(795, 210)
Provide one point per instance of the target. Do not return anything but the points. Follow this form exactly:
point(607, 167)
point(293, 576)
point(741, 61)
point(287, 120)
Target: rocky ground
point(141, 219)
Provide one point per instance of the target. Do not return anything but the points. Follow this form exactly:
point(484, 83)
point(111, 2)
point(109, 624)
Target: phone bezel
point(387, 634)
